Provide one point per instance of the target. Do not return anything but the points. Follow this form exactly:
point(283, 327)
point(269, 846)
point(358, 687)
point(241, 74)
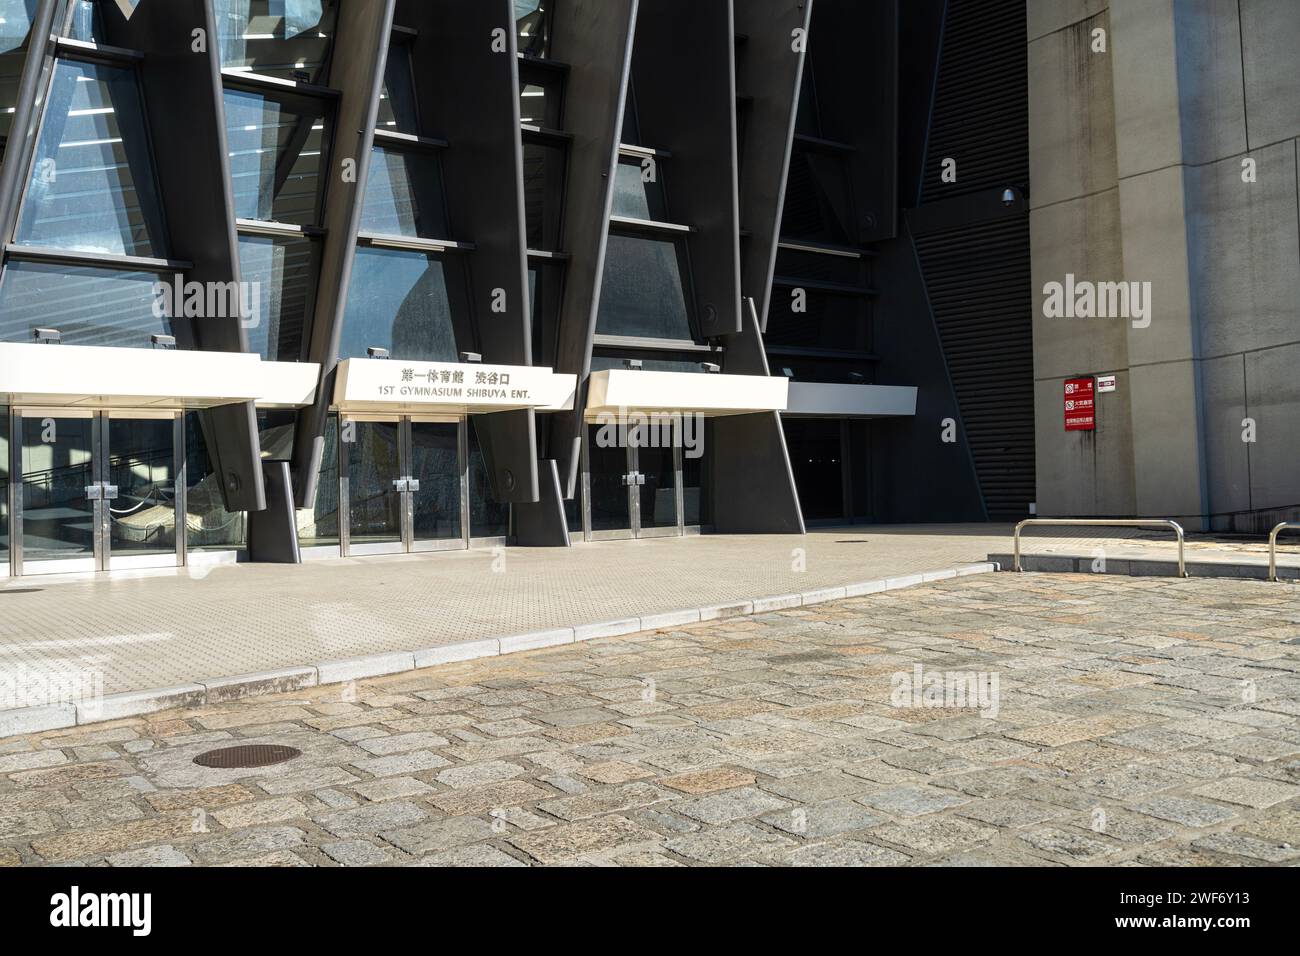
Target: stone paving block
point(436, 835)
point(820, 821)
point(846, 853)
point(726, 844)
point(934, 834)
point(484, 799)
point(1010, 812)
point(481, 855)
point(814, 787)
point(730, 805)
point(165, 855)
point(242, 847)
point(371, 818)
point(391, 788)
point(475, 775)
point(1239, 844)
point(582, 806)
point(401, 743)
point(401, 764)
point(1248, 792)
point(356, 853)
point(1068, 843)
point(259, 812)
point(912, 801)
point(614, 771)
point(1189, 813)
point(566, 841)
point(708, 781)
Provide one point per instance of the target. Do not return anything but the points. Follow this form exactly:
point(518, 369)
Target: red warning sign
point(1080, 405)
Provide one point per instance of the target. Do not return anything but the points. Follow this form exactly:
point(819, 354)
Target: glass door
point(58, 515)
point(436, 485)
point(656, 481)
point(372, 485)
point(608, 472)
point(404, 484)
point(140, 490)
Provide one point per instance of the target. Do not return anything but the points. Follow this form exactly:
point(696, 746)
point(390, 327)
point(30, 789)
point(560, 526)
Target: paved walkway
point(160, 629)
point(1133, 721)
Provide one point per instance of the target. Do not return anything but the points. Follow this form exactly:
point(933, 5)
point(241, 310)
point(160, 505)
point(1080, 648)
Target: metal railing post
point(1106, 523)
point(1272, 546)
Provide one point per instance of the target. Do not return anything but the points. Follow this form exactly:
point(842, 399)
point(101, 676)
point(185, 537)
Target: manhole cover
point(248, 755)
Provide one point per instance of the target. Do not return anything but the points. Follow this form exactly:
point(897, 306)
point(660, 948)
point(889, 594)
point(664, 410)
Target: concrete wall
point(1136, 163)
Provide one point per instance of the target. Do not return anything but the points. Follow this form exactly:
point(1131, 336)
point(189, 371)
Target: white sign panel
point(377, 384)
point(1105, 383)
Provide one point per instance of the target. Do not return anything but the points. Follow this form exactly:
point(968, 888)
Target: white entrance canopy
point(857, 401)
point(164, 379)
point(392, 385)
point(616, 391)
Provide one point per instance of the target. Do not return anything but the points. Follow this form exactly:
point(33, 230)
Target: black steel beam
point(467, 85)
point(361, 53)
point(769, 70)
point(595, 38)
point(684, 79)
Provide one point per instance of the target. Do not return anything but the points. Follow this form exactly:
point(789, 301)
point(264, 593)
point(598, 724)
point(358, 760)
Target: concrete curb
point(1145, 567)
point(32, 720)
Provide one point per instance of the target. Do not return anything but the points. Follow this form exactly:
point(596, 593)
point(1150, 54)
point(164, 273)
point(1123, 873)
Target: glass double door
point(404, 484)
point(94, 491)
point(634, 482)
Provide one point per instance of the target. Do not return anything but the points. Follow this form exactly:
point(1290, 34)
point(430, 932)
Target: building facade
point(295, 278)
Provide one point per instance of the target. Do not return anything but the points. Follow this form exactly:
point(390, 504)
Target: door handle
point(412, 484)
point(110, 492)
point(400, 484)
point(640, 478)
point(94, 493)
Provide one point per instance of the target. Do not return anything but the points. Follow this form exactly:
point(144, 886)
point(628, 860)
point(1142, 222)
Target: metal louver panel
point(981, 107)
point(978, 278)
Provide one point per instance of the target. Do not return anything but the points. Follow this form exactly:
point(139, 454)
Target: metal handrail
point(1272, 546)
point(1104, 522)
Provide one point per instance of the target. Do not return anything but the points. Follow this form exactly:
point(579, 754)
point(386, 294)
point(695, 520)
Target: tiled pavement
point(1139, 721)
point(163, 628)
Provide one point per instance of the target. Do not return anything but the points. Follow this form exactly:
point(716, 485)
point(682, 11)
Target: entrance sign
point(1080, 405)
point(455, 387)
point(1106, 383)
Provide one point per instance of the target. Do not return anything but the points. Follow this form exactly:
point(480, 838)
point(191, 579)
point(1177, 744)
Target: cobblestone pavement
point(1138, 721)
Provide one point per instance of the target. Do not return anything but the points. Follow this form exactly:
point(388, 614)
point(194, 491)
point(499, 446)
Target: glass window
point(643, 293)
point(208, 525)
point(397, 101)
point(828, 322)
point(404, 302)
point(638, 189)
point(15, 27)
point(85, 21)
point(541, 93)
point(318, 526)
point(488, 518)
point(404, 195)
point(282, 270)
point(90, 306)
point(545, 285)
point(544, 170)
point(276, 156)
point(92, 187)
point(534, 26)
point(290, 39)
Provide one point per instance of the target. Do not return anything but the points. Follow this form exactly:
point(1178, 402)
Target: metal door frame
point(635, 531)
point(101, 558)
point(431, 545)
point(406, 542)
